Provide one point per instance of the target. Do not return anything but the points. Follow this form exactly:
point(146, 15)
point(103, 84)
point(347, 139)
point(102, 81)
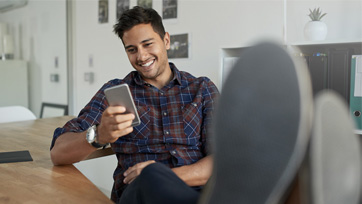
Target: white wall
point(39, 31)
point(212, 25)
point(344, 18)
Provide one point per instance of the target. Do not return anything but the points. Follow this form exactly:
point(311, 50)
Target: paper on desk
point(358, 77)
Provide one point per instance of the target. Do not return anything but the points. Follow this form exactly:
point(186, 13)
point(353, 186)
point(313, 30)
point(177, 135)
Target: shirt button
point(167, 132)
point(194, 104)
point(173, 152)
point(164, 113)
point(161, 93)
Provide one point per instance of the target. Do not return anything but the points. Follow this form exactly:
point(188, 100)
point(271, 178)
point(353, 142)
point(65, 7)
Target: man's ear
point(166, 40)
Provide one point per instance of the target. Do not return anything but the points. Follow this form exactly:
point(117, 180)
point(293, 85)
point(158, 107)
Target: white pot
point(315, 30)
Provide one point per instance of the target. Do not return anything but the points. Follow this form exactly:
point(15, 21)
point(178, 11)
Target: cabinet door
point(339, 71)
point(318, 66)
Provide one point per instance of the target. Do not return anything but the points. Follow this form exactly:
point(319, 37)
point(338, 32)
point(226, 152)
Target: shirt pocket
point(142, 131)
point(192, 119)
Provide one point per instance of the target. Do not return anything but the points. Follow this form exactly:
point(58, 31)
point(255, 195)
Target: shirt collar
point(176, 76)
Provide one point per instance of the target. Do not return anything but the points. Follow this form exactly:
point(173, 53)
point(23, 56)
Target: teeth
point(147, 64)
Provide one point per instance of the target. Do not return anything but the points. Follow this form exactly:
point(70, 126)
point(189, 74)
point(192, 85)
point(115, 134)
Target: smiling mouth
point(148, 63)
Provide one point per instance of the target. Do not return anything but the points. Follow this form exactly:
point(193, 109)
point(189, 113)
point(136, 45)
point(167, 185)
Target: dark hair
point(138, 15)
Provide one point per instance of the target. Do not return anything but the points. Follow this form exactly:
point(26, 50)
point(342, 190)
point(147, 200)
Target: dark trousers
point(158, 184)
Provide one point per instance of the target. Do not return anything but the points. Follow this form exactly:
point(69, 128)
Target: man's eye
point(148, 44)
point(131, 50)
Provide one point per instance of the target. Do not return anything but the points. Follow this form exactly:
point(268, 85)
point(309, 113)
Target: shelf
point(306, 46)
point(328, 42)
point(325, 46)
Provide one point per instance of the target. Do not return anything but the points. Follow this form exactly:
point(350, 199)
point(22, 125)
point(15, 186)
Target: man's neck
point(160, 82)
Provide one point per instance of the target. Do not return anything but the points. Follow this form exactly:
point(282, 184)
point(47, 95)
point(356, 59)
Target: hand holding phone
point(120, 95)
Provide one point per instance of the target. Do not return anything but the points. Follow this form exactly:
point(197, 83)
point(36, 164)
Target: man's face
point(147, 52)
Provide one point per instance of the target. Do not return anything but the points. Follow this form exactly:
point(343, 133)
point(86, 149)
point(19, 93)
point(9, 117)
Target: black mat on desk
point(18, 156)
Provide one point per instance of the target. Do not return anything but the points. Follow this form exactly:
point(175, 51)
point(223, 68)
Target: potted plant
point(316, 29)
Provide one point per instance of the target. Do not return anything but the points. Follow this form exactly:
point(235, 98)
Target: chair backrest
point(261, 127)
point(335, 153)
point(49, 110)
point(15, 113)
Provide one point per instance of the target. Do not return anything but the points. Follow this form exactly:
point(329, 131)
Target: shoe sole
point(262, 127)
point(334, 160)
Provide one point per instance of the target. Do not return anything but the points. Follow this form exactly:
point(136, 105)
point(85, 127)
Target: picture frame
point(179, 46)
point(121, 6)
point(103, 11)
point(169, 9)
point(144, 3)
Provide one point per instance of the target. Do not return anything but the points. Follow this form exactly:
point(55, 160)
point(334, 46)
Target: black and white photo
point(103, 11)
point(144, 3)
point(122, 5)
point(169, 9)
point(179, 47)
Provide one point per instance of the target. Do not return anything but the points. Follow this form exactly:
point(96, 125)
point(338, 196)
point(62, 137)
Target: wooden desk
point(39, 181)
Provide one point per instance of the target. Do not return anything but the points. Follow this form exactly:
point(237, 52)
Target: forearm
point(196, 174)
point(70, 148)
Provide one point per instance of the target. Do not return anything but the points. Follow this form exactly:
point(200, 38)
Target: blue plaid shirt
point(174, 125)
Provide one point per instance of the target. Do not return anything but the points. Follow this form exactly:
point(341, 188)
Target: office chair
point(15, 113)
point(262, 127)
point(49, 110)
point(333, 175)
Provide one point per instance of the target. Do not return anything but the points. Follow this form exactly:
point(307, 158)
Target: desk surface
point(39, 181)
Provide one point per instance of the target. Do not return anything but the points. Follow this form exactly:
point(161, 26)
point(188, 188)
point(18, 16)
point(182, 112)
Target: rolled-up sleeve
point(90, 115)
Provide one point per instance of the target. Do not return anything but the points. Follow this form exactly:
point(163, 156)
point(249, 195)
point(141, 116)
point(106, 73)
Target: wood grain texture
point(39, 181)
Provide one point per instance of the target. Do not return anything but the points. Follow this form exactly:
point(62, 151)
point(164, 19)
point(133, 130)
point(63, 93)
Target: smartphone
point(120, 95)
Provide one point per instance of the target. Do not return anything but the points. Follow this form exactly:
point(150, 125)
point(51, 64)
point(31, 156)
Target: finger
point(124, 117)
point(138, 166)
point(121, 133)
point(129, 182)
point(129, 170)
point(132, 173)
point(113, 110)
point(109, 132)
point(132, 176)
point(122, 126)
point(118, 122)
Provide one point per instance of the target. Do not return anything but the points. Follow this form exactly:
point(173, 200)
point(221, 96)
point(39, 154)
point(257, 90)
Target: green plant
point(316, 14)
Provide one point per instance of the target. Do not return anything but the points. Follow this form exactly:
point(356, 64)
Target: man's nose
point(142, 54)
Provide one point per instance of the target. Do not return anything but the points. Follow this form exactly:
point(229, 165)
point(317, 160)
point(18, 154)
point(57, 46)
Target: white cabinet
point(14, 83)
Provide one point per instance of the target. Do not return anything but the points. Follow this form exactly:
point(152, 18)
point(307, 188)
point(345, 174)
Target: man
point(175, 110)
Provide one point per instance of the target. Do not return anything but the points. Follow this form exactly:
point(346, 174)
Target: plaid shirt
point(174, 122)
